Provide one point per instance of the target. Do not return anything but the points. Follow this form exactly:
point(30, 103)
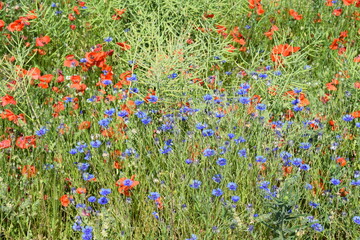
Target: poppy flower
point(2, 24)
point(124, 46)
point(357, 85)
point(28, 171)
point(17, 25)
point(357, 59)
point(295, 15)
point(42, 41)
point(284, 49)
point(341, 161)
point(26, 142)
point(65, 200)
point(81, 190)
point(118, 14)
point(70, 61)
point(348, 2)
point(76, 10)
point(7, 99)
point(125, 185)
point(84, 125)
point(5, 144)
point(208, 15)
point(337, 12)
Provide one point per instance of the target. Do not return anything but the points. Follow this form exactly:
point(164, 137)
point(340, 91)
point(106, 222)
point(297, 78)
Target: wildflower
point(221, 161)
point(260, 107)
point(217, 192)
point(209, 152)
point(356, 220)
point(235, 198)
point(103, 200)
point(95, 144)
point(335, 181)
point(92, 199)
point(305, 167)
point(305, 145)
point(232, 186)
point(105, 191)
point(314, 205)
point(242, 153)
point(348, 118)
point(260, 159)
point(317, 227)
point(196, 184)
point(125, 185)
point(154, 195)
point(217, 178)
point(308, 186)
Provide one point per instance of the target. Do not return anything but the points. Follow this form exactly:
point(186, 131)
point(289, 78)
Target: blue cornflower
point(108, 39)
point(110, 112)
point(232, 186)
point(317, 227)
point(242, 91)
point(314, 205)
point(296, 162)
point(235, 198)
point(348, 118)
point(260, 159)
point(106, 82)
point(105, 122)
point(356, 219)
point(196, 184)
point(260, 107)
point(217, 192)
point(305, 145)
point(42, 131)
point(221, 161)
point(305, 167)
point(242, 153)
point(138, 102)
point(207, 132)
point(76, 227)
point(217, 178)
point(92, 199)
point(146, 121)
point(154, 195)
point(201, 126)
point(209, 152)
point(95, 144)
point(87, 230)
point(298, 108)
point(208, 97)
point(105, 191)
point(103, 200)
point(244, 100)
point(357, 124)
point(285, 155)
point(73, 151)
point(308, 186)
point(153, 99)
point(128, 182)
point(335, 181)
point(123, 113)
point(83, 166)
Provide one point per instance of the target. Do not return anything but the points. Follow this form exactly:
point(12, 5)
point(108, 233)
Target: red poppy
point(341, 161)
point(7, 99)
point(5, 144)
point(285, 49)
point(17, 25)
point(124, 46)
point(81, 190)
point(70, 61)
point(348, 2)
point(357, 59)
point(84, 125)
point(76, 10)
point(65, 200)
point(126, 189)
point(2, 24)
point(42, 41)
point(294, 14)
point(28, 171)
point(118, 14)
point(26, 142)
point(337, 12)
